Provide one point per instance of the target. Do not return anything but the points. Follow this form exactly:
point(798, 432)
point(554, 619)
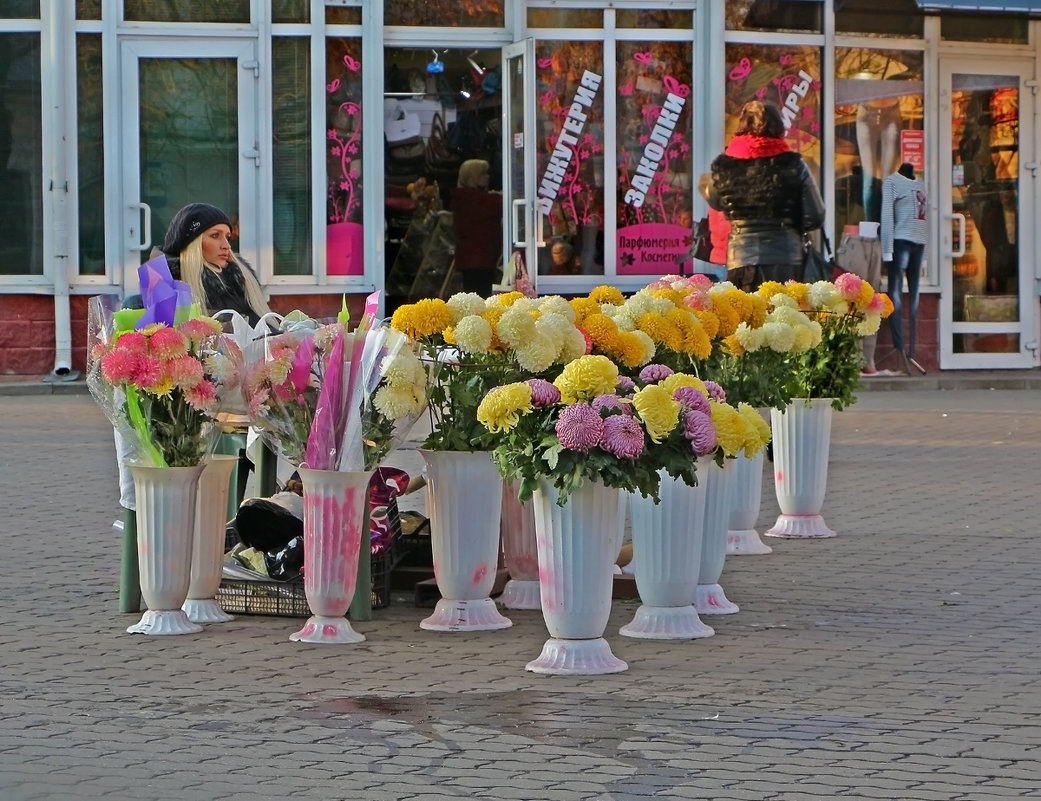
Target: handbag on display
point(701, 244)
point(817, 266)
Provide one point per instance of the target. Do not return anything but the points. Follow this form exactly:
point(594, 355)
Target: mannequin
point(903, 233)
point(878, 137)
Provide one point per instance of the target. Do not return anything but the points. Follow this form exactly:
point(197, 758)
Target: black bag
point(817, 266)
point(701, 246)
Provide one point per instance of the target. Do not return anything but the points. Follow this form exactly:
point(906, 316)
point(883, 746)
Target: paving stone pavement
point(898, 660)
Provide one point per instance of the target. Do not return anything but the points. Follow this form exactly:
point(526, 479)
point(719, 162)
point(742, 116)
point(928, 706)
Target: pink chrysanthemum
point(168, 343)
point(609, 402)
point(698, 301)
point(625, 384)
point(653, 373)
point(132, 342)
point(119, 366)
point(199, 329)
point(622, 437)
point(258, 402)
point(692, 400)
point(202, 396)
point(148, 372)
point(579, 427)
point(848, 285)
point(876, 305)
point(715, 391)
point(699, 429)
point(184, 371)
point(543, 393)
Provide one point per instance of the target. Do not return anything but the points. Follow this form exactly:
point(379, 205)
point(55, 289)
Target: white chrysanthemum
point(780, 300)
point(554, 304)
point(399, 369)
point(528, 305)
point(398, 404)
point(555, 325)
point(751, 339)
point(515, 327)
point(537, 354)
point(721, 287)
point(574, 345)
point(220, 367)
point(463, 304)
point(644, 303)
point(473, 334)
point(822, 294)
point(649, 348)
point(789, 315)
point(816, 333)
point(778, 337)
point(803, 339)
point(869, 325)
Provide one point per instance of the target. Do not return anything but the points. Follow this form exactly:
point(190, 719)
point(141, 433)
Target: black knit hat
point(191, 221)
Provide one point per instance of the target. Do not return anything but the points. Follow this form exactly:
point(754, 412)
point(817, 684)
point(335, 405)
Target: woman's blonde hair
point(192, 265)
point(470, 171)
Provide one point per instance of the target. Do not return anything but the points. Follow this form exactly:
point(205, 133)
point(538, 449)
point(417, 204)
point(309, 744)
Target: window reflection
point(186, 11)
point(91, 162)
point(774, 15)
point(291, 229)
point(878, 125)
point(569, 138)
point(343, 82)
point(463, 13)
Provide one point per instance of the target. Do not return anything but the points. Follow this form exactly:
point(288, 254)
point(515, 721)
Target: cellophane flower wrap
point(846, 310)
point(590, 424)
point(160, 385)
point(470, 345)
point(332, 399)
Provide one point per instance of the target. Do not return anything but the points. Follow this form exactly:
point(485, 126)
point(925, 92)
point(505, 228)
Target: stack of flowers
point(471, 345)
point(845, 309)
point(591, 424)
point(330, 399)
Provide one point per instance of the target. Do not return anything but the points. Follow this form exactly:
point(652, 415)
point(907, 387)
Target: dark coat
point(477, 221)
point(770, 202)
point(224, 290)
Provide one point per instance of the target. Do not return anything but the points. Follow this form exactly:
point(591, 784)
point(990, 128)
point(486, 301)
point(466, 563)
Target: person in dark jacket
point(769, 197)
point(477, 221)
point(198, 251)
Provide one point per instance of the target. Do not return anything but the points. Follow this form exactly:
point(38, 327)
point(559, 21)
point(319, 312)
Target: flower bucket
point(746, 500)
point(802, 440)
point(211, 511)
point(519, 551)
point(710, 598)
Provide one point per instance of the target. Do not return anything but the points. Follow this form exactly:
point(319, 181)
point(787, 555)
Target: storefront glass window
point(337, 15)
point(91, 160)
point(565, 18)
point(789, 76)
point(902, 18)
point(291, 233)
point(186, 11)
point(88, 9)
point(569, 138)
point(878, 126)
point(20, 9)
point(21, 155)
point(455, 13)
point(1001, 28)
point(655, 168)
point(343, 151)
point(775, 15)
point(657, 18)
point(290, 11)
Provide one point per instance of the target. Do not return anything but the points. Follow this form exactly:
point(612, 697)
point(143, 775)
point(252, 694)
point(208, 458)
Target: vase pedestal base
point(327, 630)
point(796, 527)
point(474, 615)
point(201, 610)
point(711, 600)
point(746, 542)
point(167, 621)
point(521, 594)
point(576, 658)
point(666, 623)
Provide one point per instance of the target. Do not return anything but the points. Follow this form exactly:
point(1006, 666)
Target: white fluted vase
point(577, 544)
point(519, 552)
point(710, 598)
point(211, 511)
point(464, 504)
point(802, 441)
point(166, 499)
point(667, 549)
point(335, 521)
point(746, 500)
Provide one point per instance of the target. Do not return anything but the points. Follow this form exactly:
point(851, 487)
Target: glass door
point(988, 316)
point(189, 134)
point(520, 233)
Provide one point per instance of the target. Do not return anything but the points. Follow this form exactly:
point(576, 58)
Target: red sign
point(912, 149)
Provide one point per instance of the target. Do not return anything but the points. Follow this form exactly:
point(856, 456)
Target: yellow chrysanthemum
point(758, 429)
point(473, 334)
point(602, 330)
point(768, 289)
point(507, 299)
point(515, 327)
point(501, 409)
point(586, 377)
point(424, 318)
point(755, 311)
point(631, 348)
point(677, 380)
point(607, 294)
point(655, 326)
point(869, 325)
point(493, 314)
point(731, 428)
point(732, 346)
point(583, 307)
point(709, 322)
point(660, 413)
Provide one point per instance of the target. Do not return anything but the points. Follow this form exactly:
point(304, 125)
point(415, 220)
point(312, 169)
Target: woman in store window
point(477, 221)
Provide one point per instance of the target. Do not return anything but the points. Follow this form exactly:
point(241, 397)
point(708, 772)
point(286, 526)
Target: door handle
point(515, 207)
point(146, 227)
point(957, 254)
point(254, 154)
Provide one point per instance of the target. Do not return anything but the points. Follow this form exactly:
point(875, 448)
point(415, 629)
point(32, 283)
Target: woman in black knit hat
point(198, 250)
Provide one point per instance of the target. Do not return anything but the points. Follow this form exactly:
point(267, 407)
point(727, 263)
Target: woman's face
point(216, 245)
